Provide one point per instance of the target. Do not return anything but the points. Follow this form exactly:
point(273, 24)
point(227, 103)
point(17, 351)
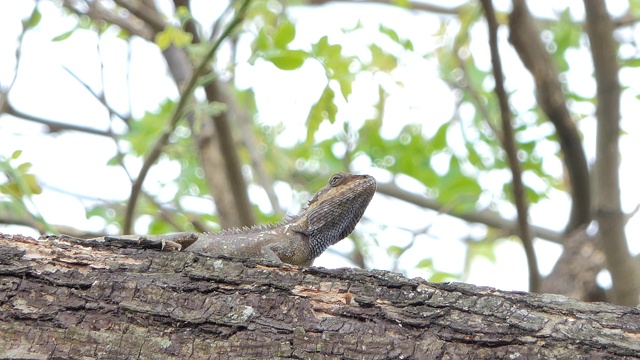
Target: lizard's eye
point(335, 179)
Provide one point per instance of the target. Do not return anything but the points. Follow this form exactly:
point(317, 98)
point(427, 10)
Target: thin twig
point(155, 152)
point(99, 97)
point(54, 126)
point(103, 99)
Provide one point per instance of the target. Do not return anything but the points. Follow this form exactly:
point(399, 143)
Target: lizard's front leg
point(287, 253)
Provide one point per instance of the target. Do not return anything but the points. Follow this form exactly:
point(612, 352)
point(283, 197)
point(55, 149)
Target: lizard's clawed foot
point(171, 245)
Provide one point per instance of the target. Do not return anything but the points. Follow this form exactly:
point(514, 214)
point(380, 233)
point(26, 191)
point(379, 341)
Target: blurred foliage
point(307, 164)
point(17, 188)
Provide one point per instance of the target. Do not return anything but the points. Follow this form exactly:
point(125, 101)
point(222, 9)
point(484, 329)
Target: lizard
point(330, 216)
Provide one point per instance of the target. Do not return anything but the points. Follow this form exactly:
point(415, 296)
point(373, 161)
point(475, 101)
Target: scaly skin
point(330, 216)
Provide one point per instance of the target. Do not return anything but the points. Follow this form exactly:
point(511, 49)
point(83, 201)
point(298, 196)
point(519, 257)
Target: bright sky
point(75, 163)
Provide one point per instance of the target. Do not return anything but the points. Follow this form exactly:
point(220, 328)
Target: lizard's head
point(334, 211)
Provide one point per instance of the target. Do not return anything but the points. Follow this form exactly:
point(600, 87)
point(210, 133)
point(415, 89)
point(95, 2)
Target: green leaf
point(425, 264)
point(286, 59)
point(181, 38)
point(632, 62)
point(439, 140)
point(34, 19)
point(16, 154)
point(159, 227)
point(123, 34)
point(262, 41)
point(163, 39)
point(32, 184)
point(407, 44)
point(145, 131)
point(324, 109)
point(63, 36)
point(345, 80)
point(24, 168)
point(441, 276)
point(323, 49)
point(392, 34)
point(485, 249)
point(358, 26)
point(114, 161)
point(402, 3)
point(337, 66)
point(382, 60)
point(457, 188)
point(173, 36)
point(100, 211)
point(183, 13)
point(11, 188)
point(395, 251)
point(285, 34)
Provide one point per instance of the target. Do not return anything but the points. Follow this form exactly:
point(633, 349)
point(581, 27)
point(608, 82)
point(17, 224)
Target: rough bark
point(85, 299)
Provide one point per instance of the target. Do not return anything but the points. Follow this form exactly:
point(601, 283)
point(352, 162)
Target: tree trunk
point(66, 298)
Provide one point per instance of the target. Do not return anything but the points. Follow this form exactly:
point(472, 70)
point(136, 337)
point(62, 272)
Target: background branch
point(511, 150)
point(624, 272)
point(413, 5)
point(525, 37)
point(484, 217)
point(218, 150)
point(52, 125)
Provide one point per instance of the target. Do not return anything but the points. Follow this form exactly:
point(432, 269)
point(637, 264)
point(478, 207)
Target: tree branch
point(484, 217)
point(525, 37)
point(412, 5)
point(96, 11)
point(511, 150)
point(624, 272)
point(257, 159)
point(141, 11)
point(116, 299)
point(234, 207)
point(11, 218)
point(54, 126)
